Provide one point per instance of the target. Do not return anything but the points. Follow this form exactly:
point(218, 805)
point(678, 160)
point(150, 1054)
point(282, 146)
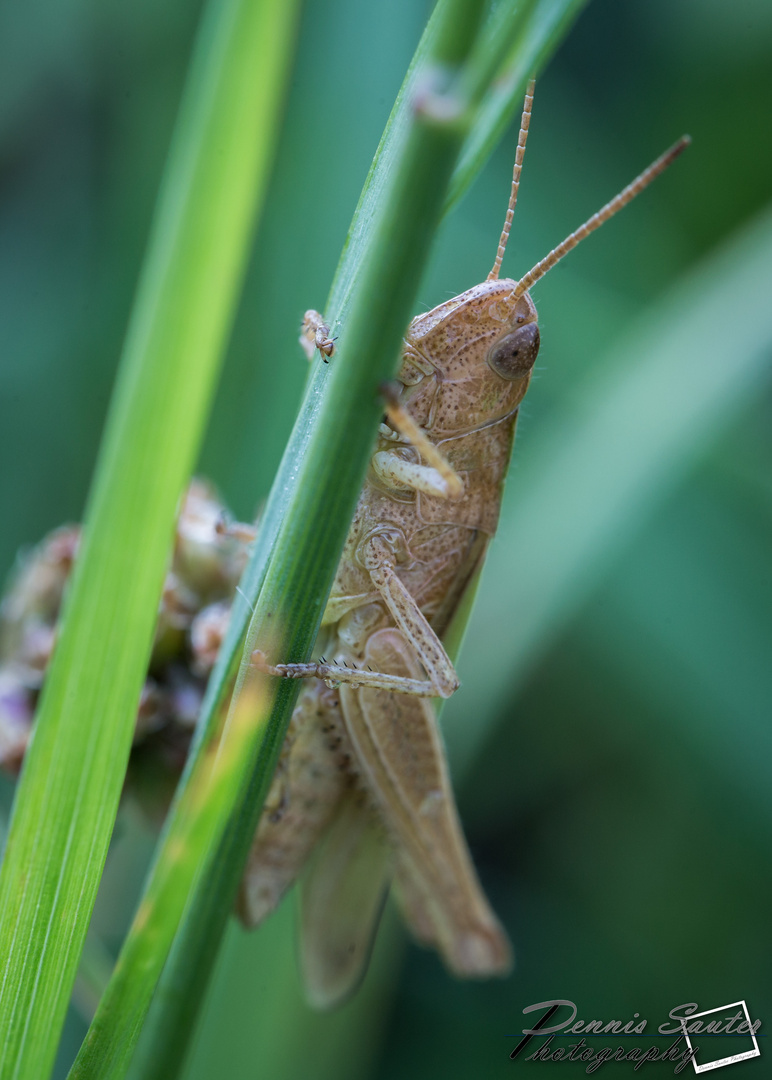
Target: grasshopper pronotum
point(363, 771)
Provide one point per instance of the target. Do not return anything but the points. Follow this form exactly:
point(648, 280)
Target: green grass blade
point(202, 811)
point(68, 795)
point(629, 437)
point(516, 41)
point(532, 41)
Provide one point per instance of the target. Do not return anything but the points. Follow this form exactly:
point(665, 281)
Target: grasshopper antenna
point(519, 155)
point(622, 199)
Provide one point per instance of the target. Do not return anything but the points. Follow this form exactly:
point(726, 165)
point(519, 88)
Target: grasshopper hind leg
point(400, 754)
point(312, 777)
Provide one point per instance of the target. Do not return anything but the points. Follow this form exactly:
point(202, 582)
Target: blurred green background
point(613, 773)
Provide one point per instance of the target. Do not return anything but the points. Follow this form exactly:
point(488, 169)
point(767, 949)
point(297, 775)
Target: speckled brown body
point(451, 385)
point(469, 413)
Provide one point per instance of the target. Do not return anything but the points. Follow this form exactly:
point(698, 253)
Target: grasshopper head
point(468, 362)
point(473, 356)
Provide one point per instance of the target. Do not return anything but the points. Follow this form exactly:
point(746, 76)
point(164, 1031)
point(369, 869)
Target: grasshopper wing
point(341, 899)
point(399, 752)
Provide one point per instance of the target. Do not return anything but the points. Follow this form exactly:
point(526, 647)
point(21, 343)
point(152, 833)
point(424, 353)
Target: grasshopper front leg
point(437, 477)
point(398, 472)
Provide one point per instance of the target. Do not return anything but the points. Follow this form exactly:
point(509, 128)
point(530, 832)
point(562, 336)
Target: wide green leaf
point(68, 795)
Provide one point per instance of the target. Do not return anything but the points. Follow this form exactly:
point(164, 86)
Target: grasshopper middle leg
point(442, 679)
point(378, 555)
point(437, 477)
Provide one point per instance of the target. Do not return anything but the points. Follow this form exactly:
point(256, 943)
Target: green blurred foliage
point(609, 812)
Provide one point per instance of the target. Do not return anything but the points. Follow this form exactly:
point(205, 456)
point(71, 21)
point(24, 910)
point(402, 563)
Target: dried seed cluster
point(205, 567)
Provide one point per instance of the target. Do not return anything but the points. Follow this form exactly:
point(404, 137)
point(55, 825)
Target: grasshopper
point(362, 776)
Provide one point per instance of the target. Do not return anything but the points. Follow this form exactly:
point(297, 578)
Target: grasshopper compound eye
point(513, 356)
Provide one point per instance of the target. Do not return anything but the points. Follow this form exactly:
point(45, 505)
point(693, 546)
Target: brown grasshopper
point(363, 776)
